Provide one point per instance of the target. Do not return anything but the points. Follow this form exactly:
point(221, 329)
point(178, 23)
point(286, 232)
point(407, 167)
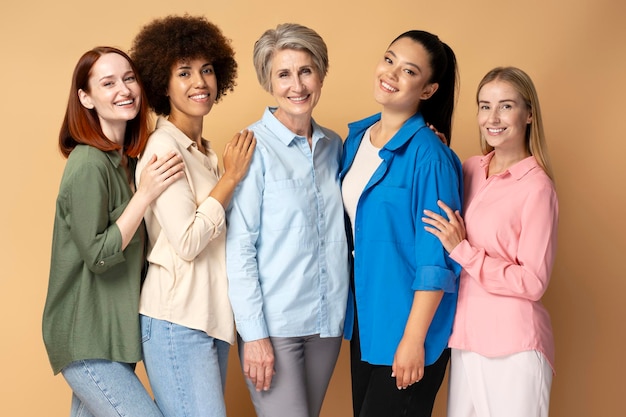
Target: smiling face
point(192, 89)
point(402, 77)
point(113, 93)
point(295, 84)
point(503, 116)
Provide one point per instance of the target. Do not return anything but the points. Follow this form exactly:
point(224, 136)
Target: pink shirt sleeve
point(519, 258)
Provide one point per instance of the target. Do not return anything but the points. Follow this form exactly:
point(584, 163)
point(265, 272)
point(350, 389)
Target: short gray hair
point(288, 36)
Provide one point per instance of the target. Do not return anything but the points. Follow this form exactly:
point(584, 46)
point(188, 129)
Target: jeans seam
point(179, 379)
point(112, 401)
point(81, 407)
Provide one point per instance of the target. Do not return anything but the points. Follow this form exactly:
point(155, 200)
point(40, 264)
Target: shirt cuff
point(434, 278)
point(462, 253)
point(252, 329)
point(213, 210)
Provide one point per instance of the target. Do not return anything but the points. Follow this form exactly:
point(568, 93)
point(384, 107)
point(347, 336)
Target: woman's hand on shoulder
point(440, 135)
point(156, 176)
point(160, 173)
point(450, 231)
point(237, 158)
point(238, 155)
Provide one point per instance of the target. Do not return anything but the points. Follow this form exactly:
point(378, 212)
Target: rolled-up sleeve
point(91, 221)
point(434, 268)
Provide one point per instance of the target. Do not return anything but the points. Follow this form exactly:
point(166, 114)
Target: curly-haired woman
point(186, 318)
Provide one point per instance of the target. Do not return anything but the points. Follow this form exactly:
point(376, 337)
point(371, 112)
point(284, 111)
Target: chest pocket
point(288, 203)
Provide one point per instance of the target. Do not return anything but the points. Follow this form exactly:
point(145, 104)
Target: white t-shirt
point(365, 163)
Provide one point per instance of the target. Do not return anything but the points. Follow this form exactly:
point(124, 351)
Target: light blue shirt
point(286, 250)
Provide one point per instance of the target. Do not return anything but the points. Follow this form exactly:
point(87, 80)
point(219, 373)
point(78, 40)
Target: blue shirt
point(286, 250)
point(393, 255)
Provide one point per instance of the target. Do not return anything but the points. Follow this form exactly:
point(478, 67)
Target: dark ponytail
point(438, 109)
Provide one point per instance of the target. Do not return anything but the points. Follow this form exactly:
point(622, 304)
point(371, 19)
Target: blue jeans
point(103, 388)
point(186, 369)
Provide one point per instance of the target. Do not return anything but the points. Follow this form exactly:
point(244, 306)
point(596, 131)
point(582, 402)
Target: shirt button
point(101, 263)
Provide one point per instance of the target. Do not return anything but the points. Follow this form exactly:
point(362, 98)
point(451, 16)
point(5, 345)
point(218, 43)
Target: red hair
point(82, 125)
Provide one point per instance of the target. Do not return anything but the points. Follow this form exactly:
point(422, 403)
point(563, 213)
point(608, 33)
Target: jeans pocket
point(146, 327)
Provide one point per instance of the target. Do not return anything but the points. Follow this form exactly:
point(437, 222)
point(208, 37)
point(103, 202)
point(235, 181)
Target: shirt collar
point(362, 125)
point(183, 140)
point(114, 157)
point(283, 133)
point(406, 132)
point(517, 170)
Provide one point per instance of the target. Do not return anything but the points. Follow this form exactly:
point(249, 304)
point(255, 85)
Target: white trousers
point(517, 385)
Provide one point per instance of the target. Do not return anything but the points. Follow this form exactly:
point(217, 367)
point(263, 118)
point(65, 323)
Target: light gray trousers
point(304, 366)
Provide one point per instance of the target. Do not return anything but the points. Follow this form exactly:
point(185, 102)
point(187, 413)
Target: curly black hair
point(163, 42)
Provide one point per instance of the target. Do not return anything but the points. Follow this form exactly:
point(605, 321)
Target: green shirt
point(91, 309)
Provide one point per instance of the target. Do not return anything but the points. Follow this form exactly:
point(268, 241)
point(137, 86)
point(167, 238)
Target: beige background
point(574, 50)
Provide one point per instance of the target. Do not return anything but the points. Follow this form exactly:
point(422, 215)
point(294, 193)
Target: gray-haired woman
point(286, 244)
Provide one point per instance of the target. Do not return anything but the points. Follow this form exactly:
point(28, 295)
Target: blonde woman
point(502, 345)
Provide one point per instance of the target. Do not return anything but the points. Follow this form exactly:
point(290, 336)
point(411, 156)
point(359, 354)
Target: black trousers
point(375, 394)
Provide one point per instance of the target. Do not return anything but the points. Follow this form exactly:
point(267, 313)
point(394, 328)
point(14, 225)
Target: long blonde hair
point(535, 137)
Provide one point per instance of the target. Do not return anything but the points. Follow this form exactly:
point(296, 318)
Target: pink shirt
point(507, 259)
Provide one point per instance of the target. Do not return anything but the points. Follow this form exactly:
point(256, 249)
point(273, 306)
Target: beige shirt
point(186, 281)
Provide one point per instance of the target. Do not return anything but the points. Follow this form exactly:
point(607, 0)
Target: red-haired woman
point(91, 321)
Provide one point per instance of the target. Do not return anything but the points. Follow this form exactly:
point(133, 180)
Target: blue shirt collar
point(281, 131)
point(412, 125)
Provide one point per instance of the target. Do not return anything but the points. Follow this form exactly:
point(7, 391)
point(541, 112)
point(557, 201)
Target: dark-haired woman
point(405, 285)
point(187, 323)
point(91, 322)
